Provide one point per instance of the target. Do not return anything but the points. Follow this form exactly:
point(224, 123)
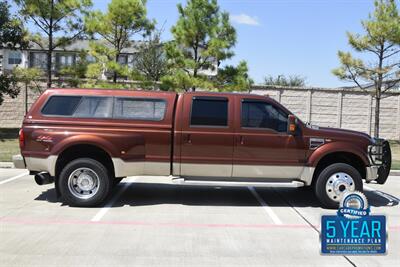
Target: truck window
point(257, 114)
point(209, 111)
point(94, 107)
point(61, 105)
point(139, 108)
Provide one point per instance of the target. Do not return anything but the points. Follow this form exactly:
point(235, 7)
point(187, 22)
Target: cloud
point(245, 19)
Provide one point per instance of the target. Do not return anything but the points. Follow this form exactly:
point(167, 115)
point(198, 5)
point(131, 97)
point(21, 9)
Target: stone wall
point(12, 111)
point(324, 107)
point(339, 108)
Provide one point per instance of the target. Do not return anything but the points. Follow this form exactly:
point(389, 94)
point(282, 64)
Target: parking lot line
point(267, 208)
point(105, 209)
point(14, 178)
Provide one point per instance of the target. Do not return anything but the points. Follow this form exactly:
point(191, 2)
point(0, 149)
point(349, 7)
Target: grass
point(9, 146)
point(395, 146)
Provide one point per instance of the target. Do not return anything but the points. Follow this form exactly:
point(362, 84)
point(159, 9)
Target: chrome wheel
point(83, 183)
point(338, 184)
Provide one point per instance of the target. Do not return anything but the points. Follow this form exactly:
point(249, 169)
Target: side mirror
point(292, 125)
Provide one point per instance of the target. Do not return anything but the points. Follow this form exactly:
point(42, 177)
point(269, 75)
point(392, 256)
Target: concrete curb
point(395, 173)
point(6, 165)
point(11, 165)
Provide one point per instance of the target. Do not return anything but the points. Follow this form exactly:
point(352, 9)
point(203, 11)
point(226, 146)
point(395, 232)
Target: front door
point(207, 135)
point(263, 148)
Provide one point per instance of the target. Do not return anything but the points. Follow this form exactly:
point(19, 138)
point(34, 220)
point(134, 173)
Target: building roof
point(83, 44)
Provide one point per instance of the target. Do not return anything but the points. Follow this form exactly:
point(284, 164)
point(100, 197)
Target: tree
point(282, 80)
point(151, 60)
point(8, 87)
point(231, 78)
point(122, 20)
point(60, 21)
point(381, 42)
point(27, 77)
point(12, 33)
point(203, 38)
point(12, 36)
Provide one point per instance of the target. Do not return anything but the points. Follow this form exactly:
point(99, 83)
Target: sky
point(290, 37)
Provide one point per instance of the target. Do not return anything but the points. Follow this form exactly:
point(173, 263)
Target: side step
point(183, 181)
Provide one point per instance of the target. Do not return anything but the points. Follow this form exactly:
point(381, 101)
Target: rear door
point(207, 135)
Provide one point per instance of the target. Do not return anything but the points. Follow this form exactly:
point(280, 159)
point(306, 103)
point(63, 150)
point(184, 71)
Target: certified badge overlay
point(353, 231)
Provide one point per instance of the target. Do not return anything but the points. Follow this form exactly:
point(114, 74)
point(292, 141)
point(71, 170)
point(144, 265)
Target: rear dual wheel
point(84, 182)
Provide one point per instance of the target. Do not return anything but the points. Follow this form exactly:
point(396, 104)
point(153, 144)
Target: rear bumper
point(19, 162)
point(36, 164)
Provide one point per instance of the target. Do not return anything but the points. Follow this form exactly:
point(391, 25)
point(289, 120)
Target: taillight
point(21, 139)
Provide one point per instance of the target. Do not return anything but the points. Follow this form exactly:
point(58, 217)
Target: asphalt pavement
point(148, 221)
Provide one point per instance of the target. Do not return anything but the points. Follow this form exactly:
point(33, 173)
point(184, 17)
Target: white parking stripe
point(267, 208)
point(14, 178)
point(105, 209)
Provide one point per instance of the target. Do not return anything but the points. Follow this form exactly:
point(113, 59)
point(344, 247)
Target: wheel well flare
point(340, 157)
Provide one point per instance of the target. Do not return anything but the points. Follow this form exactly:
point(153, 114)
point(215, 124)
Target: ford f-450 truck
point(87, 140)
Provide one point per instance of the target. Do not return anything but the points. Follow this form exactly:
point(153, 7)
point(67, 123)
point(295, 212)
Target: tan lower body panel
point(205, 170)
point(250, 171)
point(123, 168)
point(262, 171)
point(42, 164)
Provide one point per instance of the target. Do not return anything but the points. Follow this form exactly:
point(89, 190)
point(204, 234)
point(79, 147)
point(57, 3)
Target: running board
point(183, 181)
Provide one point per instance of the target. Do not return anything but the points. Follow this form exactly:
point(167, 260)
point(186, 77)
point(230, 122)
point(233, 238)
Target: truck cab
point(87, 140)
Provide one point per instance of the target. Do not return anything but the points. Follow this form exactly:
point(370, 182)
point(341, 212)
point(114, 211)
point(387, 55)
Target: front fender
point(335, 147)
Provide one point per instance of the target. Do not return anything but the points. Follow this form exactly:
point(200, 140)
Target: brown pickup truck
point(87, 140)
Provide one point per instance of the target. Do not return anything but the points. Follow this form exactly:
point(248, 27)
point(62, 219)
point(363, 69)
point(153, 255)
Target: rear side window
point(139, 108)
point(211, 111)
point(94, 107)
point(257, 114)
point(61, 105)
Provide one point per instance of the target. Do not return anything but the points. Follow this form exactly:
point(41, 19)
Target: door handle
point(241, 140)
point(188, 139)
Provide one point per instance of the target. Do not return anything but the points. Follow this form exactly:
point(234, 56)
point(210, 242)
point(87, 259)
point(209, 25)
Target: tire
point(339, 178)
point(84, 182)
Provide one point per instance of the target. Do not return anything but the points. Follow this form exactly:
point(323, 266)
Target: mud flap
point(57, 187)
point(384, 170)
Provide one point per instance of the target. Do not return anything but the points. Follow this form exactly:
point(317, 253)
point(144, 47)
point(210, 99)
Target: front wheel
point(336, 180)
point(84, 182)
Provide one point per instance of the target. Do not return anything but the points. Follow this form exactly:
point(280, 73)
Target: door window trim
point(112, 117)
point(260, 128)
point(217, 98)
